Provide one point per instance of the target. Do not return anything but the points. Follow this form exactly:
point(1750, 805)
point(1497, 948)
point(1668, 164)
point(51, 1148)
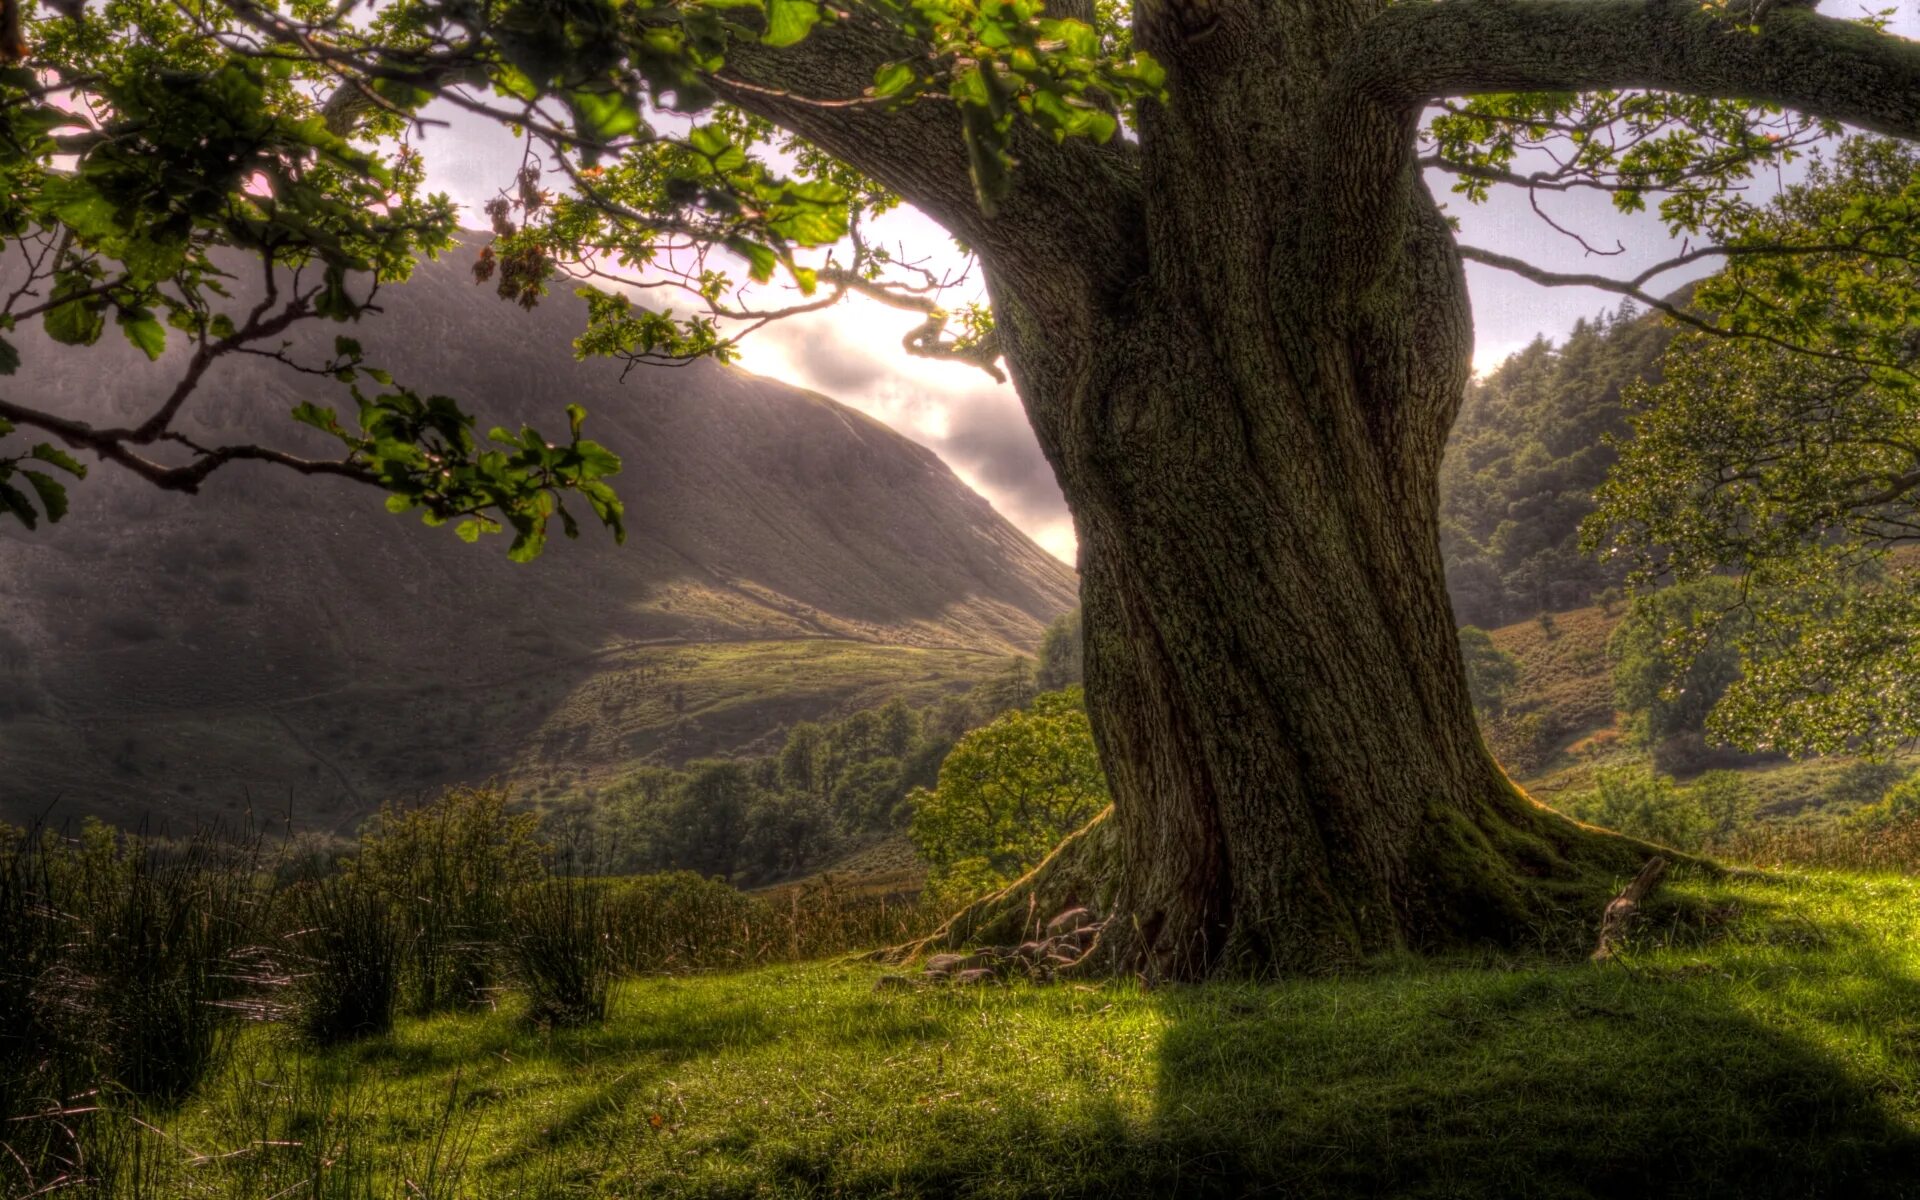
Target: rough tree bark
point(1241, 340)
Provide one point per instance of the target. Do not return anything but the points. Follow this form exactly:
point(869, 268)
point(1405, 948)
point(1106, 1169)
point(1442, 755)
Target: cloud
point(852, 353)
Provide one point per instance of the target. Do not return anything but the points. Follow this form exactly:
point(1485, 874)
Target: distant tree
point(899, 728)
point(1060, 665)
point(867, 794)
point(708, 819)
point(787, 834)
point(1010, 688)
point(1491, 671)
point(1008, 793)
point(807, 759)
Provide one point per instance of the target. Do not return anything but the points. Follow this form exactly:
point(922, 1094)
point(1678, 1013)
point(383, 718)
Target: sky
point(852, 352)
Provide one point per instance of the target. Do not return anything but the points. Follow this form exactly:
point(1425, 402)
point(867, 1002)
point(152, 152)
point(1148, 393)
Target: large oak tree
point(1232, 306)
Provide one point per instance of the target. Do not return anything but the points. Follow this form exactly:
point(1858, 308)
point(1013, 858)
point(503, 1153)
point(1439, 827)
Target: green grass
point(1760, 1039)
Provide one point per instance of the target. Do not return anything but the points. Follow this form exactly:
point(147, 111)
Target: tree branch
point(1073, 206)
point(115, 446)
point(1411, 54)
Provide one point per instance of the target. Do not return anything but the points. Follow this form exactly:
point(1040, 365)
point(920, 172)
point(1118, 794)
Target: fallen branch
point(1622, 908)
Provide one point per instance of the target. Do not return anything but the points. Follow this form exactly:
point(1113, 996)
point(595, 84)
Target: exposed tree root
point(1509, 874)
point(1623, 908)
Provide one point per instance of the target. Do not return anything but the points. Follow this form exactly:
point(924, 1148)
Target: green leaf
point(144, 331)
point(15, 501)
point(53, 493)
point(789, 20)
point(892, 79)
point(78, 322)
point(602, 116)
point(9, 358)
point(59, 458)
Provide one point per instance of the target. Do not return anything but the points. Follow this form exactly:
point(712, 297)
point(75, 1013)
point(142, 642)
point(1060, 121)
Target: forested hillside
point(1522, 464)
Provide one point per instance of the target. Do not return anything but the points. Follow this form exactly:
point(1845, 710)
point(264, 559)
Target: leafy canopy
point(206, 178)
point(1789, 457)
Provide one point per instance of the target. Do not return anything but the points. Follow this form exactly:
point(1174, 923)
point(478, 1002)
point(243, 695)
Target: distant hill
point(285, 640)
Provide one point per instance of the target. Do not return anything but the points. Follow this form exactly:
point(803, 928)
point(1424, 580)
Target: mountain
point(284, 642)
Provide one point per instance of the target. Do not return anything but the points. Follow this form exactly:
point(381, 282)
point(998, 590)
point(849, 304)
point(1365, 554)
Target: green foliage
point(30, 466)
point(424, 454)
point(1008, 793)
point(1522, 462)
point(1795, 469)
point(465, 854)
point(1634, 800)
point(1062, 655)
point(1491, 671)
point(1675, 656)
point(1899, 805)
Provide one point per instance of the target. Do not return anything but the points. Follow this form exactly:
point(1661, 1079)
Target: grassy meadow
point(1757, 1039)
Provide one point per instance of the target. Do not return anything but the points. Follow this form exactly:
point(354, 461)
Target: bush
point(561, 947)
point(345, 959)
point(678, 921)
point(450, 869)
point(1007, 794)
point(1639, 803)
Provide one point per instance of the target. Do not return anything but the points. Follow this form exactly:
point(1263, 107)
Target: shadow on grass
point(1748, 1050)
point(1753, 1044)
point(1735, 1058)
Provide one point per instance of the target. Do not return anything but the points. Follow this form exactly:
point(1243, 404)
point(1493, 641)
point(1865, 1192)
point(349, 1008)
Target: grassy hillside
point(1757, 1041)
point(284, 642)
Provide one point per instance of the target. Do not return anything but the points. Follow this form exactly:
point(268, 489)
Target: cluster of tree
point(832, 784)
point(1522, 464)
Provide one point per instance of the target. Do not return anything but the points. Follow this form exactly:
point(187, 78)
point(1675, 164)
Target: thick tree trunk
point(1241, 341)
point(1249, 437)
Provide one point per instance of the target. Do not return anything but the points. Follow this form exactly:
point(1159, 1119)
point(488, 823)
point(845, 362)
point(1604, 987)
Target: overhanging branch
point(1414, 53)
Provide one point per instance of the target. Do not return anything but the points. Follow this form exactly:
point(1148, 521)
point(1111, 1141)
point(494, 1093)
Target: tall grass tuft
point(450, 868)
point(344, 959)
point(120, 978)
point(561, 945)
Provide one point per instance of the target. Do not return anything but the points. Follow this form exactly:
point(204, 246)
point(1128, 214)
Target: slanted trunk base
point(1507, 875)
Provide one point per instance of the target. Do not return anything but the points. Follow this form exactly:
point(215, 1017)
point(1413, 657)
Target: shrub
point(1007, 794)
point(449, 869)
point(1639, 803)
point(561, 947)
point(345, 959)
point(679, 921)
